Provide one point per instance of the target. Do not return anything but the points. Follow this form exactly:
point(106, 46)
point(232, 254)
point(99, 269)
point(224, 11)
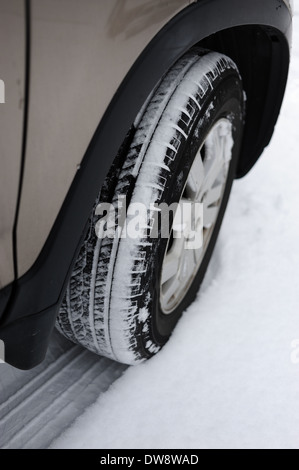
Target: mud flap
point(25, 342)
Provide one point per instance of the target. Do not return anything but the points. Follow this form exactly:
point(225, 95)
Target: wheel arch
point(231, 31)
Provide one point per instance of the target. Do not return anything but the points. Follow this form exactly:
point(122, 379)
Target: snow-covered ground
point(228, 377)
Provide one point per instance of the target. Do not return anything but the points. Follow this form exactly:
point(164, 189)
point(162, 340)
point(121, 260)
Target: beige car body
point(81, 51)
point(12, 73)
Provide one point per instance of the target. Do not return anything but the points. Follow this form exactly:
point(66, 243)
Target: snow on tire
point(114, 304)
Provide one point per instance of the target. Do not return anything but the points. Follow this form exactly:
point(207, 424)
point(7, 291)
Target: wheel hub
point(196, 216)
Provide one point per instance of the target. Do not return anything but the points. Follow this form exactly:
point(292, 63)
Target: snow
point(229, 376)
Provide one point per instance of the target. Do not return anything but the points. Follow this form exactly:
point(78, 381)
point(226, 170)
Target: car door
point(12, 76)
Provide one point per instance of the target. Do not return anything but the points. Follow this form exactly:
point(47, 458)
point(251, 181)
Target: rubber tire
point(112, 303)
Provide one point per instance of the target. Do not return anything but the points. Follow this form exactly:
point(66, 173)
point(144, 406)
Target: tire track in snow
point(38, 406)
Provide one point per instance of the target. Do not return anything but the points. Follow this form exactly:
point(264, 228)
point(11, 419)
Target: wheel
point(128, 291)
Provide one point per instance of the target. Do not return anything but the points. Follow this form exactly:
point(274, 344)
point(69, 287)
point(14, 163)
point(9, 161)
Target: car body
point(76, 75)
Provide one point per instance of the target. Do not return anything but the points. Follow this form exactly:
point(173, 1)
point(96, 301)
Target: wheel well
point(262, 56)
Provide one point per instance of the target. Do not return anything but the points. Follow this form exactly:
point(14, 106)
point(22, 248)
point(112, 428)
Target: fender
point(257, 36)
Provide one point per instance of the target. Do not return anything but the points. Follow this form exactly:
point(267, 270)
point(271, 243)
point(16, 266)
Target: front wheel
point(128, 291)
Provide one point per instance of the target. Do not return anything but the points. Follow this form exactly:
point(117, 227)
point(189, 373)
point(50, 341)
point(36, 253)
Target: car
point(123, 126)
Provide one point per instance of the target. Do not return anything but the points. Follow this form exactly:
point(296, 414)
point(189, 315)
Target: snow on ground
point(226, 379)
